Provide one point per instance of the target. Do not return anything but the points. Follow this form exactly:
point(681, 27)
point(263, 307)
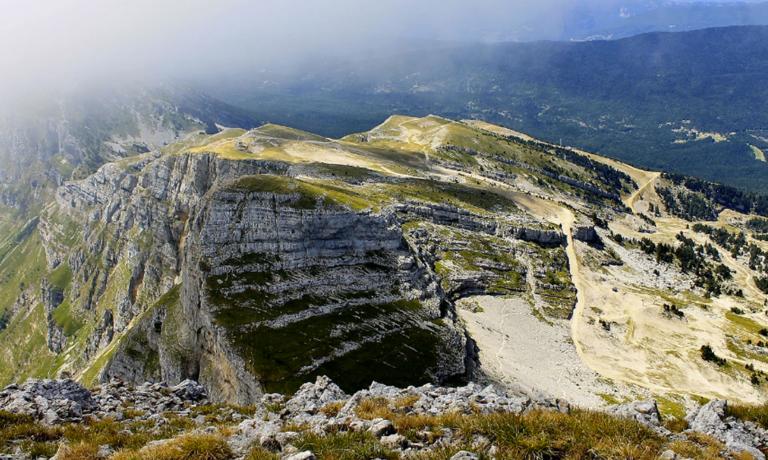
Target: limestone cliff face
point(273, 288)
point(119, 233)
point(253, 272)
point(288, 293)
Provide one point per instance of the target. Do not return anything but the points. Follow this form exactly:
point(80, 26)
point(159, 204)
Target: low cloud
point(63, 42)
point(59, 43)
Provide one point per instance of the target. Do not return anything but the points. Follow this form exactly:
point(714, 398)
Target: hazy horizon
point(72, 42)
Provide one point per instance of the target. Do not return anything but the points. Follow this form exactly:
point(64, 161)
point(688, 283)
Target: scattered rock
point(464, 455)
point(668, 455)
point(737, 436)
point(63, 401)
point(51, 401)
point(190, 390)
point(394, 441)
point(312, 397)
point(381, 427)
point(645, 412)
point(306, 455)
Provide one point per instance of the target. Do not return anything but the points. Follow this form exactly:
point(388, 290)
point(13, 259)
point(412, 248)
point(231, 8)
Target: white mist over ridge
point(50, 45)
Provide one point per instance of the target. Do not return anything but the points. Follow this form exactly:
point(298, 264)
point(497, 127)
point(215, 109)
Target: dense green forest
point(687, 103)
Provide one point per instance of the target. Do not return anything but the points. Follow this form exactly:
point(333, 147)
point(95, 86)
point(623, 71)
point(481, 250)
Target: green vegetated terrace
point(282, 357)
point(23, 348)
point(471, 253)
point(313, 193)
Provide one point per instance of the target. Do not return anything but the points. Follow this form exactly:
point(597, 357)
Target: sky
point(57, 42)
point(52, 43)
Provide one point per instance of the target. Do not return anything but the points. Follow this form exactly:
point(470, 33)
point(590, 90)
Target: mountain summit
point(423, 250)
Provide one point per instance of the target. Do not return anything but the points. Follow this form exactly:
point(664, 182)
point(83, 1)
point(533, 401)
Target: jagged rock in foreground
point(712, 419)
point(62, 401)
point(52, 401)
point(278, 426)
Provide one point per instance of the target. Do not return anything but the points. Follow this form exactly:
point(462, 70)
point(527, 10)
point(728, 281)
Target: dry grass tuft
point(260, 453)
point(344, 446)
point(405, 402)
point(756, 414)
point(193, 446)
point(79, 451)
point(372, 408)
point(675, 424)
point(332, 409)
point(296, 427)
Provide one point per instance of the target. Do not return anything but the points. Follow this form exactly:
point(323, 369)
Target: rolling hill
point(686, 103)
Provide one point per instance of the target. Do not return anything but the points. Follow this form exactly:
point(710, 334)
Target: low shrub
point(707, 354)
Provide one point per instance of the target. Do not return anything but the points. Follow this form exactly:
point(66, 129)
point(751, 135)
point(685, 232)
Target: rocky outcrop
point(52, 401)
point(66, 401)
point(52, 297)
point(258, 271)
point(737, 435)
point(386, 415)
point(443, 214)
point(645, 412)
point(310, 407)
point(585, 233)
point(451, 216)
point(537, 235)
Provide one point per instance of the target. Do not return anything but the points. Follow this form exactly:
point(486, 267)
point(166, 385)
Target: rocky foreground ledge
point(60, 419)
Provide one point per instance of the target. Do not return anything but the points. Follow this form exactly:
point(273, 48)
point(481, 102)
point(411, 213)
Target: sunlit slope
point(513, 231)
point(643, 346)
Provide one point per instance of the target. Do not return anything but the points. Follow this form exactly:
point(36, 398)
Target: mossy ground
point(23, 349)
point(282, 357)
point(479, 254)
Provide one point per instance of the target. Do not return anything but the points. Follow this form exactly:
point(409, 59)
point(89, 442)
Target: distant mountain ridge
point(624, 19)
point(70, 134)
point(687, 103)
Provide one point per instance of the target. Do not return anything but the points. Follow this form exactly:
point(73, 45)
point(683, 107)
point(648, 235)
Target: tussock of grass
point(372, 408)
point(344, 446)
point(406, 401)
point(756, 414)
point(675, 425)
point(535, 435)
point(79, 451)
point(581, 434)
point(296, 427)
point(194, 446)
point(688, 449)
point(539, 434)
point(42, 441)
point(260, 453)
point(332, 409)
point(8, 419)
point(36, 438)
